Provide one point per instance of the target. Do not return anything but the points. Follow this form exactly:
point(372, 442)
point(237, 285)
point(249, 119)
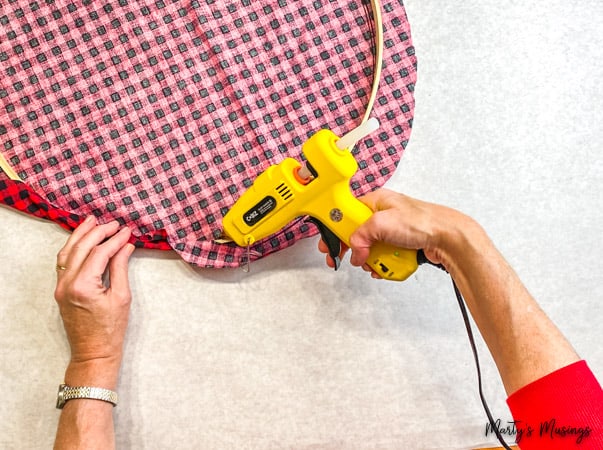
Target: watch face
point(61, 397)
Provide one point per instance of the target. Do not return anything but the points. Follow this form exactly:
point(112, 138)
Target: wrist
point(96, 372)
point(456, 240)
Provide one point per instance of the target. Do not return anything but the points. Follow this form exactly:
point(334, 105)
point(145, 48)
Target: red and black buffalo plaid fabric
point(161, 113)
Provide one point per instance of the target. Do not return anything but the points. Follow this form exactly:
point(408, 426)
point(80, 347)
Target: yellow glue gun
point(319, 189)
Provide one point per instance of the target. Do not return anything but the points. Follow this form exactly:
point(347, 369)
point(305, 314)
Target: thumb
point(369, 232)
point(362, 239)
point(118, 269)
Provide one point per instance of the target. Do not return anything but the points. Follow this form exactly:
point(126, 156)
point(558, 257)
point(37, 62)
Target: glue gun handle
point(389, 261)
point(392, 263)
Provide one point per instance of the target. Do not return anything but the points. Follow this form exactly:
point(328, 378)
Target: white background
point(508, 128)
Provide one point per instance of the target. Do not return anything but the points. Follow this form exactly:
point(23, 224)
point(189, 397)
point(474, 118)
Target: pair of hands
point(95, 314)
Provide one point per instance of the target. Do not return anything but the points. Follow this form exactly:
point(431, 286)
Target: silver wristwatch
point(67, 393)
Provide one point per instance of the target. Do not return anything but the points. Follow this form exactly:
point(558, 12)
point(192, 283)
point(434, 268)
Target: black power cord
point(422, 259)
point(461, 302)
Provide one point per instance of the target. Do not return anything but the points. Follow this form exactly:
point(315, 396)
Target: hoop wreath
point(160, 114)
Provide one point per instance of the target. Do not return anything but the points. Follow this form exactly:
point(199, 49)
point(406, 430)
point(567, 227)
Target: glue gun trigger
point(330, 239)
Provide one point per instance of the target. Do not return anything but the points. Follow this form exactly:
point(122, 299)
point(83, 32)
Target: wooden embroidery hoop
point(378, 36)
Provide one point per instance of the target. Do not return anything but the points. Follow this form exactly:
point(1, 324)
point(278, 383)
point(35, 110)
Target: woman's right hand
point(409, 223)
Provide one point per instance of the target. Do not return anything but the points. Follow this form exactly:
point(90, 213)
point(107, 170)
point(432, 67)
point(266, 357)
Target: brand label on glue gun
point(259, 211)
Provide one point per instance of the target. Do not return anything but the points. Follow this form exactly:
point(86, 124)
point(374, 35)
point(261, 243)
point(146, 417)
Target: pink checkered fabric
point(160, 114)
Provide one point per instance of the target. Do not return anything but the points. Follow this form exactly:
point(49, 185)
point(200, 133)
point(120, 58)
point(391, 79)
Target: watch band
point(67, 393)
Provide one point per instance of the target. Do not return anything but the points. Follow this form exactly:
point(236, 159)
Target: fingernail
point(88, 219)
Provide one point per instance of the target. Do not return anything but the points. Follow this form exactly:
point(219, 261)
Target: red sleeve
point(561, 411)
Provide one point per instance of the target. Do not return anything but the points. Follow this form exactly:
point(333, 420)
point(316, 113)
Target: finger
point(361, 242)
point(370, 270)
point(375, 200)
point(81, 230)
point(322, 247)
point(330, 262)
point(369, 232)
point(118, 270)
point(382, 226)
point(98, 257)
point(81, 248)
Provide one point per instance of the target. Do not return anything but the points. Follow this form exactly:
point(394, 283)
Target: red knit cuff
point(562, 410)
